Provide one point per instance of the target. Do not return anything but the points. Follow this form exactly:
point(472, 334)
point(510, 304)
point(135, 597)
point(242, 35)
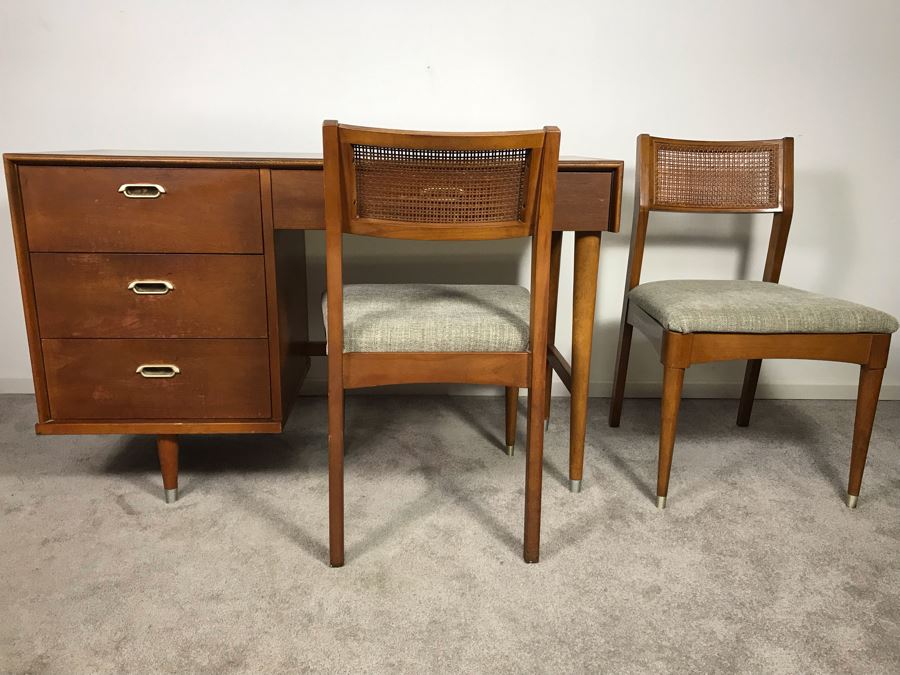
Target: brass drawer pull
point(142, 190)
point(150, 286)
point(158, 370)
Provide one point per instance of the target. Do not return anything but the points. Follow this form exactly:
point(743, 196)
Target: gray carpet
point(756, 566)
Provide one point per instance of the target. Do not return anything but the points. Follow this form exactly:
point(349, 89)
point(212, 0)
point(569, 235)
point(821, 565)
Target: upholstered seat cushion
point(691, 306)
point(434, 318)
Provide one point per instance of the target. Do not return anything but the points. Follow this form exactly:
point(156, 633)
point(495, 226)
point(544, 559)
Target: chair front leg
point(673, 379)
point(866, 403)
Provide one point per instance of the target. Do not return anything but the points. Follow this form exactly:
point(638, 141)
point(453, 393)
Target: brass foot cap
point(575, 486)
point(852, 501)
point(171, 495)
point(660, 502)
point(510, 450)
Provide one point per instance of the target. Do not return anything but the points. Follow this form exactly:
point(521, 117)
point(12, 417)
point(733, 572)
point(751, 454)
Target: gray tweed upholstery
point(434, 318)
point(692, 306)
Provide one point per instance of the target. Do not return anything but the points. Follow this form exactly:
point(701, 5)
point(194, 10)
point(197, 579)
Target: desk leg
point(587, 258)
point(555, 257)
point(167, 448)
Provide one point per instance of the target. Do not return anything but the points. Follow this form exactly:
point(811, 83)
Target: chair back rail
point(439, 186)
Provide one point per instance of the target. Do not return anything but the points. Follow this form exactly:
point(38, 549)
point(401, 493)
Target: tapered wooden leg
point(587, 257)
point(673, 378)
point(621, 372)
point(167, 448)
point(336, 475)
point(866, 403)
point(533, 475)
point(512, 411)
point(748, 393)
point(555, 258)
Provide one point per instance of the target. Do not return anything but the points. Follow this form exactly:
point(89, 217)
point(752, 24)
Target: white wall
point(261, 76)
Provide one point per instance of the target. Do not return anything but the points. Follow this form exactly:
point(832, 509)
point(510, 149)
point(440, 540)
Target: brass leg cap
point(660, 502)
point(575, 485)
point(510, 450)
point(852, 501)
point(171, 495)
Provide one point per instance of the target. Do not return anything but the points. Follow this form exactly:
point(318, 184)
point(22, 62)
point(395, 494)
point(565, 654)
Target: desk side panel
point(26, 282)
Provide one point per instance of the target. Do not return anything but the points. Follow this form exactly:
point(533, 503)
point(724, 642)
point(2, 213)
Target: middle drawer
point(87, 295)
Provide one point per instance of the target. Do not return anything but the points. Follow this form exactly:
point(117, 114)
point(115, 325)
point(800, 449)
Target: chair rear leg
point(555, 259)
point(673, 379)
point(512, 411)
point(533, 475)
point(547, 400)
point(336, 476)
point(618, 391)
point(748, 393)
point(866, 403)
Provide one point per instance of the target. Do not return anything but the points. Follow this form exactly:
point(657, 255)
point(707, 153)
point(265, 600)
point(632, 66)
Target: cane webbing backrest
point(726, 176)
point(440, 186)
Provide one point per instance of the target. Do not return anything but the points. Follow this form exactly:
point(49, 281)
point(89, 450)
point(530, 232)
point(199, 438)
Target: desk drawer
point(583, 200)
point(87, 209)
point(92, 295)
point(183, 379)
point(298, 199)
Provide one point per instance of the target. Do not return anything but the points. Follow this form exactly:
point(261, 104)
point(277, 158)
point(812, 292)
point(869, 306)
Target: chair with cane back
point(699, 321)
point(440, 187)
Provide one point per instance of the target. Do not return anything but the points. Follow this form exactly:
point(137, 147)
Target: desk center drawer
point(86, 295)
point(141, 209)
point(157, 379)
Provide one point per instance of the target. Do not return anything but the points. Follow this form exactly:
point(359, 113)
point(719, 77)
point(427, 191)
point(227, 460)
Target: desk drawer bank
point(166, 295)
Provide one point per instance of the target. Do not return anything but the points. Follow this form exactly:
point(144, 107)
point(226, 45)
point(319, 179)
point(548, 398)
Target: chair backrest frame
point(718, 166)
point(454, 168)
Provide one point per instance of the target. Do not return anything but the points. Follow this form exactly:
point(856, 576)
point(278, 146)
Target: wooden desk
point(178, 305)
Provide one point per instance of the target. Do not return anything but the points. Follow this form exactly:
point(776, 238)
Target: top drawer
point(92, 209)
point(583, 200)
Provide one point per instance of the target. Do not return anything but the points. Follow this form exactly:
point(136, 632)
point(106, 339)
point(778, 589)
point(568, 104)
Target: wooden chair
point(437, 186)
point(700, 321)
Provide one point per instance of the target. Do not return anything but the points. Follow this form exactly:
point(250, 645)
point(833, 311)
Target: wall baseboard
point(730, 390)
point(16, 385)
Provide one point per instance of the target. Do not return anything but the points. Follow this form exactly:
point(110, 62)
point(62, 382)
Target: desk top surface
point(299, 160)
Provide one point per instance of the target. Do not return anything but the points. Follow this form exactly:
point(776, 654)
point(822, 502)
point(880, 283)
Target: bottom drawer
point(157, 379)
